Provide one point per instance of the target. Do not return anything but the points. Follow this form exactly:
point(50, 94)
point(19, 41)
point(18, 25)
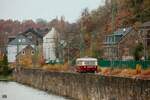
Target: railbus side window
point(79, 63)
point(90, 62)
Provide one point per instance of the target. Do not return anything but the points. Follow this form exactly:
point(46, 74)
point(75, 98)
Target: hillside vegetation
point(108, 18)
point(88, 32)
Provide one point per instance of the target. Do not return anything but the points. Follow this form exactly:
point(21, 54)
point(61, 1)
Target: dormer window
point(30, 37)
point(23, 40)
point(23, 52)
point(32, 52)
point(19, 40)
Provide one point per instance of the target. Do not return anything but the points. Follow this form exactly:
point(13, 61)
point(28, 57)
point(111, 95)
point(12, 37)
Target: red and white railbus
point(86, 64)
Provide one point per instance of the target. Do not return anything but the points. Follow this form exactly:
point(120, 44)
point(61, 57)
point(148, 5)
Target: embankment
point(85, 86)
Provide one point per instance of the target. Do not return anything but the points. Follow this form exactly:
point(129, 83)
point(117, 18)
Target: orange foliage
point(99, 69)
point(127, 72)
point(105, 71)
point(116, 72)
point(42, 61)
point(145, 72)
point(134, 73)
point(25, 61)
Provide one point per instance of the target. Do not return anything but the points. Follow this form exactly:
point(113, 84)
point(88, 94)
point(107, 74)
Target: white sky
point(46, 9)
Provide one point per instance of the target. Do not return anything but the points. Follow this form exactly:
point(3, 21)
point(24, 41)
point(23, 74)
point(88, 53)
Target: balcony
point(112, 39)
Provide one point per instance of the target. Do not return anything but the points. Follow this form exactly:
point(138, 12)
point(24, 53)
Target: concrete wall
point(86, 86)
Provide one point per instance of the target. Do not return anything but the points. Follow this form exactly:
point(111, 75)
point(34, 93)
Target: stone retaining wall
point(82, 86)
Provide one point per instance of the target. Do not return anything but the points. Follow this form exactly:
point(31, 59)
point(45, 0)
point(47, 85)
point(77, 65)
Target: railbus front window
point(79, 63)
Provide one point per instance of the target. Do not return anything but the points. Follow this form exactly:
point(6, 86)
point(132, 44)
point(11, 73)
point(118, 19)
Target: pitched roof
point(122, 31)
point(51, 33)
point(118, 35)
point(39, 34)
point(27, 47)
point(21, 40)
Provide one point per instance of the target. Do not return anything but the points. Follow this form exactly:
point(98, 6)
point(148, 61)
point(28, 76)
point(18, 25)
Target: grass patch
point(56, 67)
point(5, 77)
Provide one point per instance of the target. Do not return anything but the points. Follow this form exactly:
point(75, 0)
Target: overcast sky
point(46, 9)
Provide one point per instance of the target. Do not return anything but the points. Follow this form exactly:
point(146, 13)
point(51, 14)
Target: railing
point(124, 64)
point(112, 39)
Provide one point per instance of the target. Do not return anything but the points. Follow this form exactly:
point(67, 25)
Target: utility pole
point(68, 54)
point(69, 41)
point(93, 37)
point(114, 9)
point(62, 45)
point(81, 45)
point(146, 39)
point(36, 54)
point(18, 43)
point(92, 44)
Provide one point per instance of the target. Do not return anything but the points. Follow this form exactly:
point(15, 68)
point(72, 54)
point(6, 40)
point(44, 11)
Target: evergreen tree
point(5, 65)
point(138, 51)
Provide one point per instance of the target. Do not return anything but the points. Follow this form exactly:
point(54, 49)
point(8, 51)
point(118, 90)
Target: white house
point(15, 46)
point(49, 45)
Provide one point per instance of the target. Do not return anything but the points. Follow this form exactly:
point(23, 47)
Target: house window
point(48, 40)
point(32, 52)
point(30, 37)
point(23, 52)
point(23, 40)
point(19, 40)
point(107, 39)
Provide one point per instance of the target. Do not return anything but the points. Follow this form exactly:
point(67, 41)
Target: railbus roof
point(86, 59)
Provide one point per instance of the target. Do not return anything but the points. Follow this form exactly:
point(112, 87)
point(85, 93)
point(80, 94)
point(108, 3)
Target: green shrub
point(5, 70)
point(138, 51)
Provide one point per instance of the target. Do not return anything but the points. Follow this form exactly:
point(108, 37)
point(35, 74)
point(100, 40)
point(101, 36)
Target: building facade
point(49, 53)
point(120, 45)
point(145, 37)
point(16, 45)
point(26, 57)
